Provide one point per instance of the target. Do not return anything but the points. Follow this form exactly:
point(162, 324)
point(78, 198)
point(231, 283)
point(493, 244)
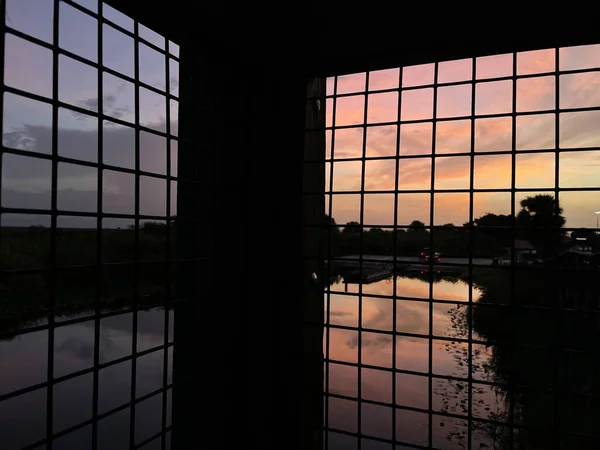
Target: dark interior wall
point(333, 37)
point(241, 340)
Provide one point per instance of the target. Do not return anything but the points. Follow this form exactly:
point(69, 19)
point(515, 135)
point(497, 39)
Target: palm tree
point(542, 218)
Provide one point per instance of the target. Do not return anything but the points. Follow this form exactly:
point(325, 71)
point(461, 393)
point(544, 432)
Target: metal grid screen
point(461, 250)
point(88, 206)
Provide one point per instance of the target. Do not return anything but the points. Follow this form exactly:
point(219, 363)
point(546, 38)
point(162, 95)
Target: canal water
point(23, 363)
point(447, 320)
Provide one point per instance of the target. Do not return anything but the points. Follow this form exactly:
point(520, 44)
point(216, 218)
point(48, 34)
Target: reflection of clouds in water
point(343, 379)
point(376, 420)
point(412, 354)
point(341, 313)
point(343, 309)
point(116, 336)
point(343, 414)
point(412, 317)
point(454, 289)
point(377, 313)
point(450, 320)
point(149, 372)
point(412, 427)
point(449, 358)
point(341, 346)
point(371, 340)
point(77, 348)
point(377, 349)
point(376, 385)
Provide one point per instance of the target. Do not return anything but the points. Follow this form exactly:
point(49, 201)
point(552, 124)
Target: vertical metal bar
point(471, 231)
point(395, 255)
point(136, 257)
point(512, 307)
point(53, 220)
point(559, 314)
point(431, 243)
point(329, 257)
point(99, 224)
point(2, 92)
point(360, 259)
point(168, 250)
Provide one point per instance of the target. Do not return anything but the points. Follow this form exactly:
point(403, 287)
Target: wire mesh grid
point(88, 215)
point(459, 311)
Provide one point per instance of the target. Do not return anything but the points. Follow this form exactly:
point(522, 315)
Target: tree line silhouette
point(29, 276)
point(539, 221)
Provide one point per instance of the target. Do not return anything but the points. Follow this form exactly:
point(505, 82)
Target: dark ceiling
point(334, 36)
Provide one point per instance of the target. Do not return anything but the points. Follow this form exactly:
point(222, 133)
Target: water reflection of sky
point(449, 358)
point(23, 363)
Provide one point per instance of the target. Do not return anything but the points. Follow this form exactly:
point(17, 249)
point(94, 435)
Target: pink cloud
point(417, 104)
point(413, 207)
point(350, 110)
point(384, 79)
point(579, 57)
point(535, 170)
point(348, 143)
point(494, 66)
point(451, 208)
point(415, 138)
point(493, 97)
point(382, 107)
point(454, 71)
point(493, 134)
point(454, 101)
point(379, 209)
point(535, 132)
point(347, 176)
point(380, 175)
point(417, 75)
point(452, 172)
point(453, 136)
point(381, 141)
point(536, 94)
point(491, 202)
point(580, 90)
point(579, 169)
point(414, 174)
point(492, 171)
point(536, 61)
point(355, 82)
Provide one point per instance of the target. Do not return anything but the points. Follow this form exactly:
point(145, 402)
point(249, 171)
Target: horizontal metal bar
point(457, 83)
point(83, 372)
point(456, 118)
point(393, 158)
point(434, 337)
point(163, 431)
point(99, 417)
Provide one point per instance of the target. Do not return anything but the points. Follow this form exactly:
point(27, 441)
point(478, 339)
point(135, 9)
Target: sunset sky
point(27, 123)
point(534, 132)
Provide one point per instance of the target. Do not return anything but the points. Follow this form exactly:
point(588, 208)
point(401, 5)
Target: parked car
point(425, 255)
